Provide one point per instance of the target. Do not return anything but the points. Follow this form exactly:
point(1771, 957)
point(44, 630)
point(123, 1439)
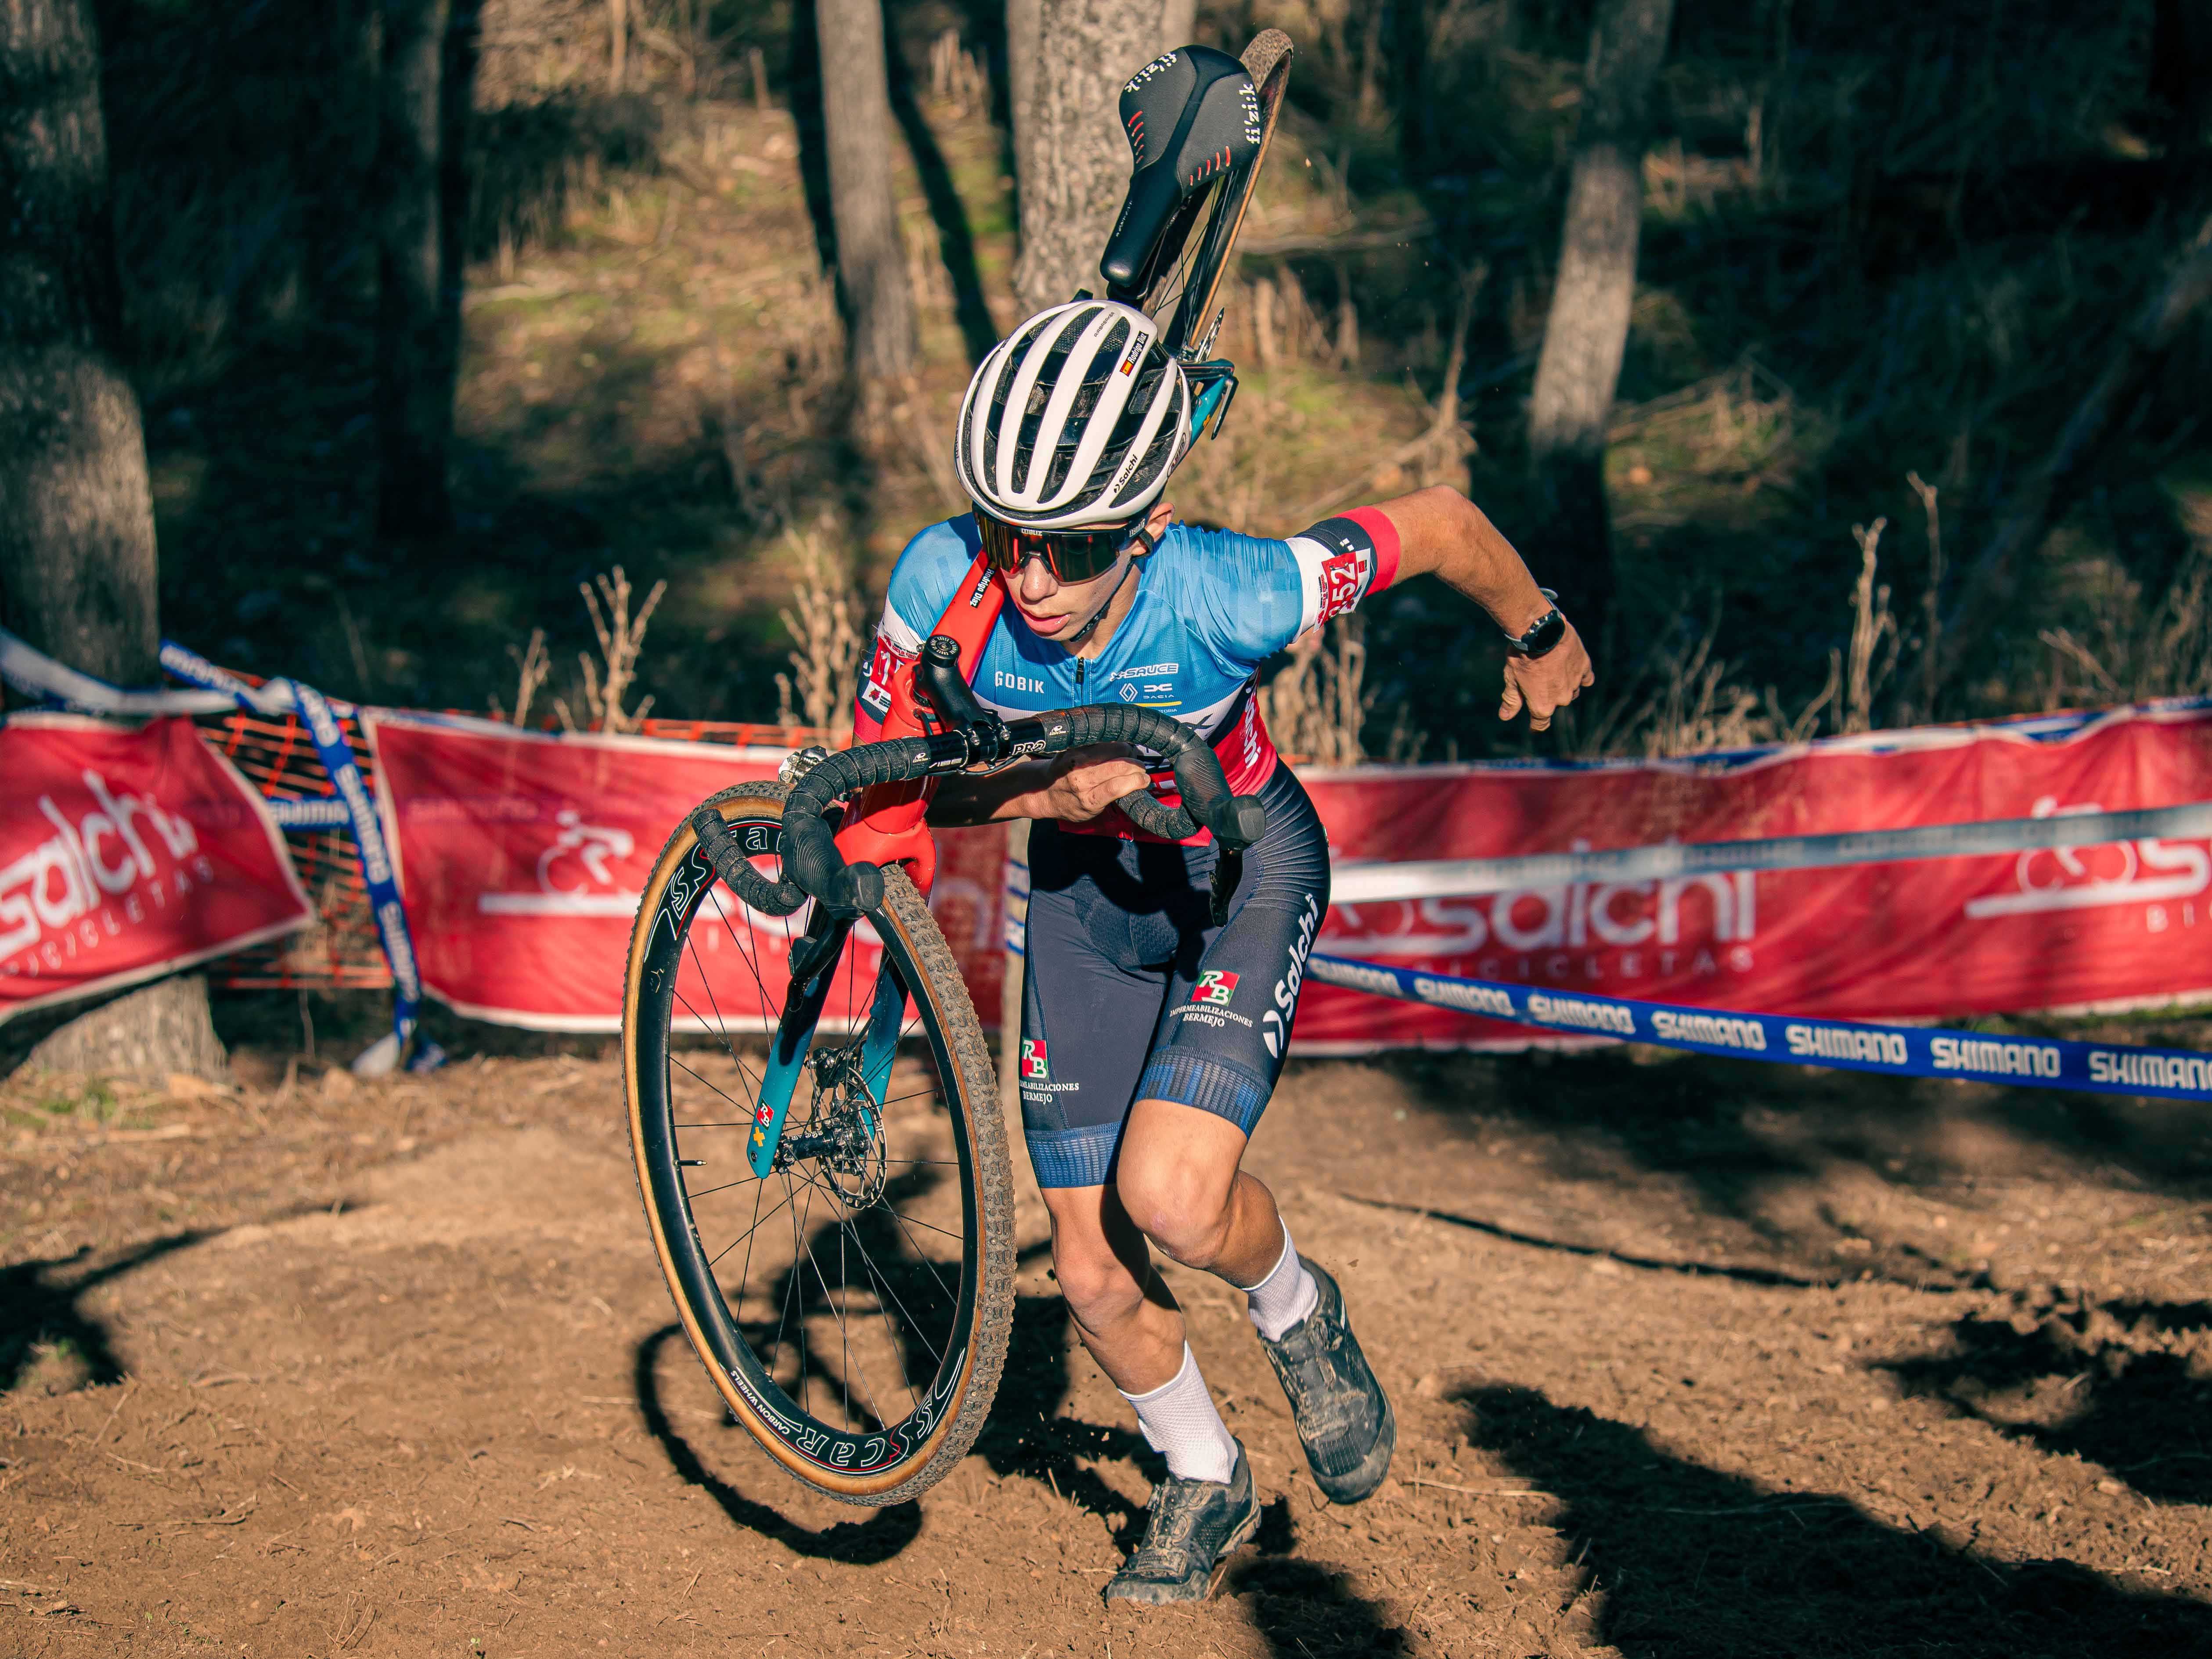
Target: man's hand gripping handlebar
point(971, 736)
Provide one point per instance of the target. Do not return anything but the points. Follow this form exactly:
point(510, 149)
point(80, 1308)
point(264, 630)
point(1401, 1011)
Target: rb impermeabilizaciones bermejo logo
point(1216, 986)
point(1035, 1066)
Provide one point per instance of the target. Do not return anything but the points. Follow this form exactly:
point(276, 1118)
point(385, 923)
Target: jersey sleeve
point(922, 584)
point(1262, 594)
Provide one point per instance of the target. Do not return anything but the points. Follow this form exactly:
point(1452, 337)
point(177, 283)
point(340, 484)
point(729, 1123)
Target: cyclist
point(1150, 1038)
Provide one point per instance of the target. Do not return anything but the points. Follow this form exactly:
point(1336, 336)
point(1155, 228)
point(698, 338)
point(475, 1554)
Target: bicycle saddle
point(1191, 114)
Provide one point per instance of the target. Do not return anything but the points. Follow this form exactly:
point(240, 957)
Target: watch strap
point(1541, 635)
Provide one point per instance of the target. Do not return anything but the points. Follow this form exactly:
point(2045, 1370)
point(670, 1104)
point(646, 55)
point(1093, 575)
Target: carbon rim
point(837, 1295)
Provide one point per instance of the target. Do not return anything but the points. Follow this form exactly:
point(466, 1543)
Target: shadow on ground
point(1733, 1130)
point(864, 1543)
point(39, 1309)
point(1301, 1609)
point(2104, 1382)
point(1695, 1562)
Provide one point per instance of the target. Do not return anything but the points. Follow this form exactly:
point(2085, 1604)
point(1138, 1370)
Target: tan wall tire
point(950, 1406)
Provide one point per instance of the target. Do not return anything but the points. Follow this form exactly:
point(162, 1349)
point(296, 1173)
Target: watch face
point(1547, 633)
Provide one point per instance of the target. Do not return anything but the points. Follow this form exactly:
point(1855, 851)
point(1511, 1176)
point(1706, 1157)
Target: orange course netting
point(339, 950)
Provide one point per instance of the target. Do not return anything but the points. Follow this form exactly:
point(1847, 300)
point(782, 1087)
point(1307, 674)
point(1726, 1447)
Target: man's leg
point(1129, 1321)
point(1124, 1314)
point(1179, 1181)
point(1217, 1052)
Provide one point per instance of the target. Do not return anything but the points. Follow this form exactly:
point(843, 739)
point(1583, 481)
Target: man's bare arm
point(1073, 788)
point(1441, 533)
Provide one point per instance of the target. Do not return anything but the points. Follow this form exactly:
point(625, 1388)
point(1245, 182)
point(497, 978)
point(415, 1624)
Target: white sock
point(1180, 1421)
point(1286, 1296)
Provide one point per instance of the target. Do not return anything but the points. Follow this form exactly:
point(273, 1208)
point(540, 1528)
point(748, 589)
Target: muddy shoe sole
point(1156, 1593)
point(1153, 1576)
point(1333, 1393)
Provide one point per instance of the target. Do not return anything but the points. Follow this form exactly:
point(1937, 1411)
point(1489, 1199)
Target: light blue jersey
point(1211, 605)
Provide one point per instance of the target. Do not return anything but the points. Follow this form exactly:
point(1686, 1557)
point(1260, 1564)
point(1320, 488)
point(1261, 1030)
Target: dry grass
point(825, 662)
point(1867, 665)
point(532, 663)
point(1724, 450)
point(1314, 707)
point(1683, 700)
point(621, 640)
point(2134, 649)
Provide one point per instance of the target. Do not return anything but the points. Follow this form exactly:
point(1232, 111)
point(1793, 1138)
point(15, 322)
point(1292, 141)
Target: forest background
point(1887, 250)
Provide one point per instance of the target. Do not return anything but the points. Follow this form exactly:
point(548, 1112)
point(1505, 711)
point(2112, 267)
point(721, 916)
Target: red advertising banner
point(2121, 924)
point(522, 854)
point(126, 854)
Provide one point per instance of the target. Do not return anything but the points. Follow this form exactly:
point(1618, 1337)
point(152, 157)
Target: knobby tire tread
point(992, 1320)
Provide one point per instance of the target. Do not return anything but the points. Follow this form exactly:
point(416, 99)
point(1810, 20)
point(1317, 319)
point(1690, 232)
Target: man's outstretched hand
point(1547, 684)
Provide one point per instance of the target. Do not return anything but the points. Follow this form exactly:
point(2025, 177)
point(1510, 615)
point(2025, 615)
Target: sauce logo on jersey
point(1035, 1066)
point(1216, 986)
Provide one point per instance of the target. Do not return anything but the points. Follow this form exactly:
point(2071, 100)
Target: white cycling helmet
point(1076, 418)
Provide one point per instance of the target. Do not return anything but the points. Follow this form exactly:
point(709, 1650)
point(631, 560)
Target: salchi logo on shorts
point(1034, 1063)
point(1216, 986)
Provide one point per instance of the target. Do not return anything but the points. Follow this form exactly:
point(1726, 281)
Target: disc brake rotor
point(845, 1139)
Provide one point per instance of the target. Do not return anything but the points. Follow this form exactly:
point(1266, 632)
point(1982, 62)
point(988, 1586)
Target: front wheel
point(852, 1304)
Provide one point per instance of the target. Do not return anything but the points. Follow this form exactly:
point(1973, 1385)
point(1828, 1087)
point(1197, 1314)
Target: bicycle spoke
point(868, 1266)
point(916, 1248)
point(846, 1373)
point(750, 1232)
point(915, 1221)
point(719, 1090)
point(883, 1290)
point(721, 1026)
point(760, 1191)
point(752, 959)
point(790, 1280)
point(847, 1232)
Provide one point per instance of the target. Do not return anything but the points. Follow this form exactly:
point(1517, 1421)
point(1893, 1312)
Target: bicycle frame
point(887, 826)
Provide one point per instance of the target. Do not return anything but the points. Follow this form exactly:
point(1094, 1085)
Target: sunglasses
point(1071, 556)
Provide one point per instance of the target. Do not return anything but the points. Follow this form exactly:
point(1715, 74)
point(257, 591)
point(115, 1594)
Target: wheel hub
point(844, 1140)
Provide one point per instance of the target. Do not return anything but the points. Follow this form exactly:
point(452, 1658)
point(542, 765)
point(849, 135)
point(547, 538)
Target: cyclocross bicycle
point(811, 1103)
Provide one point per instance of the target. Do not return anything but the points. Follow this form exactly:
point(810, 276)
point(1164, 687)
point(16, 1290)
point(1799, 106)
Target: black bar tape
point(814, 864)
point(1236, 820)
point(810, 849)
point(773, 898)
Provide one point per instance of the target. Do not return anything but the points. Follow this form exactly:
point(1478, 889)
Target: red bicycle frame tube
point(887, 823)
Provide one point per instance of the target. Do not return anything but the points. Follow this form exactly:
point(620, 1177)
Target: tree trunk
point(165, 1027)
point(1587, 330)
point(2048, 490)
point(1068, 60)
point(618, 45)
point(424, 94)
point(76, 512)
point(856, 115)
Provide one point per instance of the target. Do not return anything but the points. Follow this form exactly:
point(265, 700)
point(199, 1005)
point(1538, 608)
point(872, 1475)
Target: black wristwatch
point(1546, 631)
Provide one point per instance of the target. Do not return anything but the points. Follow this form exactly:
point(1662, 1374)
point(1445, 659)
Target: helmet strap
point(1129, 565)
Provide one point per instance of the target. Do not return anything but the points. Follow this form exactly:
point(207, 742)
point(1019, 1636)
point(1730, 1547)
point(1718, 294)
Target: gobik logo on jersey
point(1035, 1066)
point(1216, 986)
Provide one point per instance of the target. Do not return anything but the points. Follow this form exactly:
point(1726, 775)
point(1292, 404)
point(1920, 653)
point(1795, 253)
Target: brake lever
point(1228, 872)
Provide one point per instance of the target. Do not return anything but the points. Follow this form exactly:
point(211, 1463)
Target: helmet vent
point(1078, 391)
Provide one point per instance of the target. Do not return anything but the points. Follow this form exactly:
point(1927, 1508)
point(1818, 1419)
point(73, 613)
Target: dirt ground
point(1690, 1358)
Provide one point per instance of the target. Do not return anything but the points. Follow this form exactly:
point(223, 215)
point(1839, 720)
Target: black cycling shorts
point(1131, 993)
